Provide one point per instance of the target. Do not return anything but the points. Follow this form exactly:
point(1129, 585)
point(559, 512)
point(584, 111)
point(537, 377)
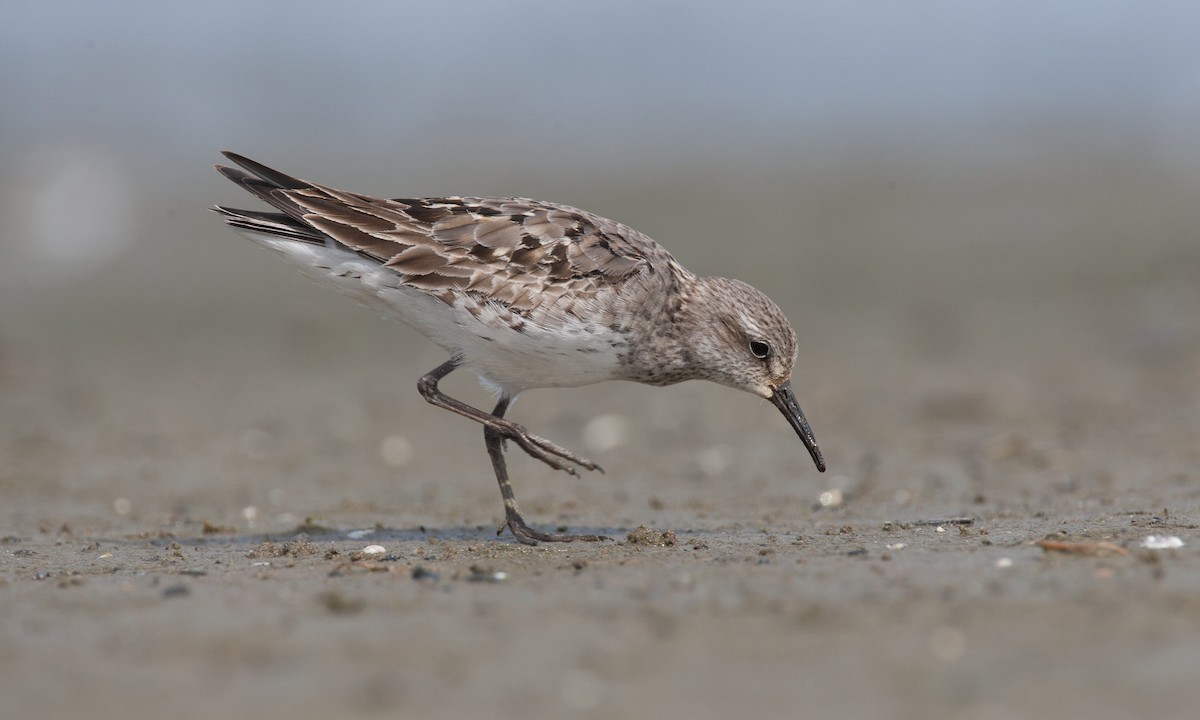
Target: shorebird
point(526, 294)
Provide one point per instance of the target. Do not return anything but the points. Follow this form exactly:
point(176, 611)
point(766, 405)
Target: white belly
point(565, 353)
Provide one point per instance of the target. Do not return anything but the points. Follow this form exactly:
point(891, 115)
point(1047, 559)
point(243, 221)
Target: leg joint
point(427, 386)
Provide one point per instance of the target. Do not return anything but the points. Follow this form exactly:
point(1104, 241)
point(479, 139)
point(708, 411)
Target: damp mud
point(259, 517)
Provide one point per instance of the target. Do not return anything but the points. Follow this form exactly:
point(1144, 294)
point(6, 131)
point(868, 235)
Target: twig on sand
point(1092, 548)
point(942, 521)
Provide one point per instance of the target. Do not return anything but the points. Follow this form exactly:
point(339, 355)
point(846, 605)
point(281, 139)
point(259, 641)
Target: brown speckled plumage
point(527, 294)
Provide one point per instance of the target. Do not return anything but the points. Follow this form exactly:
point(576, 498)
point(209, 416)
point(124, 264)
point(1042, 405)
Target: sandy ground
point(187, 494)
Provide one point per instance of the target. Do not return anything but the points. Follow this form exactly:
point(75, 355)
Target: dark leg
point(556, 457)
point(512, 515)
point(495, 431)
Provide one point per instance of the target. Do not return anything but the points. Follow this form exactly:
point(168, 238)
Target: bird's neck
point(676, 341)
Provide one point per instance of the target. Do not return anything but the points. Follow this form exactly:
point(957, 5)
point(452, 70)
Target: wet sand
point(186, 502)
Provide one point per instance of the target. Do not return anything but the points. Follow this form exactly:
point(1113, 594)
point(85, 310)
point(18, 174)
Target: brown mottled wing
point(516, 251)
point(510, 250)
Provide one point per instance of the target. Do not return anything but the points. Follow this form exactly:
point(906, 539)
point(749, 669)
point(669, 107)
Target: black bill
point(786, 402)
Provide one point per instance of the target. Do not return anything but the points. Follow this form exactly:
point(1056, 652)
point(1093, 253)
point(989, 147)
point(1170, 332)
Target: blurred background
point(940, 194)
point(982, 218)
point(859, 144)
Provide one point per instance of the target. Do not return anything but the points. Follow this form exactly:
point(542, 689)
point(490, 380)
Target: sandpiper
point(526, 294)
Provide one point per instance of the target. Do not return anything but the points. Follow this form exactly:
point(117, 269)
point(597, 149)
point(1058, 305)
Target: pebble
point(1162, 542)
point(831, 498)
point(421, 572)
point(483, 574)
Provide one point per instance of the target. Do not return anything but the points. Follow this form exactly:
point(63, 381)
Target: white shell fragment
point(1161, 542)
point(831, 498)
point(374, 550)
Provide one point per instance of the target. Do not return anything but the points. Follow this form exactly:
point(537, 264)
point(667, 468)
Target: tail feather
point(274, 224)
point(271, 186)
point(290, 223)
point(264, 190)
point(276, 178)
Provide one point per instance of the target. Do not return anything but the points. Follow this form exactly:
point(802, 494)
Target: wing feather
point(513, 251)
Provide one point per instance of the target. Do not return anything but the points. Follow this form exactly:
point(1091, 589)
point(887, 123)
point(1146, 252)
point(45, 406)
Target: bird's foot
point(529, 536)
point(553, 455)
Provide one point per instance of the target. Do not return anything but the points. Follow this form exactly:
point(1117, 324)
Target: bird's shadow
point(369, 535)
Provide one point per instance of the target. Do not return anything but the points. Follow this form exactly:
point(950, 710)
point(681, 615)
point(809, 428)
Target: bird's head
point(743, 340)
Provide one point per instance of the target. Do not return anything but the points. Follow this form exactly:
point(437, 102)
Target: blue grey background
point(854, 147)
point(982, 218)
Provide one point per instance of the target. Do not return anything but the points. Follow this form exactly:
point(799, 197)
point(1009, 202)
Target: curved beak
point(785, 400)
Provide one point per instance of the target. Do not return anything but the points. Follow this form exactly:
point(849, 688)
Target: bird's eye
point(759, 349)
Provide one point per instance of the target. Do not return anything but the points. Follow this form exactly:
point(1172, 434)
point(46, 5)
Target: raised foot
point(553, 455)
point(528, 536)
